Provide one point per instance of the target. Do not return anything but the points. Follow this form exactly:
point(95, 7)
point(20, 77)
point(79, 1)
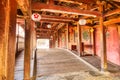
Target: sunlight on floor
point(43, 43)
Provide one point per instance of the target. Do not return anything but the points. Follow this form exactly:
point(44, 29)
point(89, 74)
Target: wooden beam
point(112, 12)
point(60, 26)
point(59, 18)
point(41, 34)
point(62, 9)
point(117, 0)
point(41, 29)
point(55, 21)
point(43, 37)
point(112, 21)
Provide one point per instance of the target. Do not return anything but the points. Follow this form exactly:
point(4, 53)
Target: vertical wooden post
point(94, 41)
point(103, 40)
point(7, 39)
point(53, 41)
point(12, 41)
point(79, 46)
point(58, 38)
point(28, 43)
point(27, 49)
point(67, 36)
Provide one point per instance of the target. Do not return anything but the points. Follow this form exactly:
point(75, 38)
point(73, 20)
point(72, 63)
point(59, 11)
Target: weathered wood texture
point(28, 48)
point(12, 41)
point(79, 44)
point(7, 38)
point(103, 40)
point(61, 9)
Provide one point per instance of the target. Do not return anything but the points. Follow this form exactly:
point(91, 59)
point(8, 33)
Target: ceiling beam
point(41, 34)
point(117, 0)
point(58, 21)
point(112, 12)
point(112, 21)
point(46, 37)
point(58, 17)
point(41, 29)
point(61, 9)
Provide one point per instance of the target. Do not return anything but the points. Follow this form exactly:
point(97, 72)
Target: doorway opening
point(43, 43)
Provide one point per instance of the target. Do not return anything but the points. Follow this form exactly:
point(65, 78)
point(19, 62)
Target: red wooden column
point(79, 45)
point(103, 40)
point(7, 39)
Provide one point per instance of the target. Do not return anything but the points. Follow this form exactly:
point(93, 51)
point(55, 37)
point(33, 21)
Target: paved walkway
point(53, 61)
point(58, 64)
point(19, 66)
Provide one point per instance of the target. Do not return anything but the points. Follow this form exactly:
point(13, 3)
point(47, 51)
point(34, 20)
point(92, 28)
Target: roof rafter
point(112, 12)
point(61, 9)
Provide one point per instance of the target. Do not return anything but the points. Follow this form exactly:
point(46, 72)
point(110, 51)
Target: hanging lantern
point(48, 26)
point(82, 21)
point(36, 17)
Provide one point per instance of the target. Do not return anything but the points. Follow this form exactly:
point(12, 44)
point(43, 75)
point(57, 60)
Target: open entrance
point(43, 43)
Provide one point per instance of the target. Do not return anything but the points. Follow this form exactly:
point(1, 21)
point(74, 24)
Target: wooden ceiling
point(58, 13)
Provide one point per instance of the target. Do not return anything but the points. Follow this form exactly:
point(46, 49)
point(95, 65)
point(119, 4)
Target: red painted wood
point(113, 51)
point(112, 39)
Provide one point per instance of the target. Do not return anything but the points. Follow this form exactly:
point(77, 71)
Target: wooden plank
point(112, 12)
point(62, 9)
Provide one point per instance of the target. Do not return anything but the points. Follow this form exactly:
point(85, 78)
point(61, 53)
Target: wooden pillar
point(103, 41)
point(7, 39)
point(67, 36)
point(94, 42)
point(27, 53)
point(58, 38)
point(79, 45)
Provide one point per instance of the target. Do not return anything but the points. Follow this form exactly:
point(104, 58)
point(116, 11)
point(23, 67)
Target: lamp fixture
point(48, 26)
point(36, 17)
point(82, 21)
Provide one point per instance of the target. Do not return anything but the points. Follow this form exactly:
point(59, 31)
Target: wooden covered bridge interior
point(89, 27)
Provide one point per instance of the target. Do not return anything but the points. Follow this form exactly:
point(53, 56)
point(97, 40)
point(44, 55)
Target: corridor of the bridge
point(60, 64)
